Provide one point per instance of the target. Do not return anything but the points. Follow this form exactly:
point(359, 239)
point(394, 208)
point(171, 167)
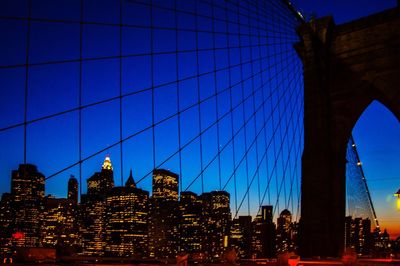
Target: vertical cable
point(198, 95)
point(216, 96)
point(243, 105)
point(28, 37)
point(178, 95)
point(120, 95)
point(152, 83)
point(253, 97)
point(80, 94)
point(231, 105)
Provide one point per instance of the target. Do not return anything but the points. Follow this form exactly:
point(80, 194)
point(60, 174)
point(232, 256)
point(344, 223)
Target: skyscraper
point(102, 182)
point(92, 224)
point(164, 215)
point(241, 236)
point(27, 190)
point(5, 223)
point(165, 185)
point(93, 207)
point(264, 234)
point(73, 189)
point(127, 213)
point(216, 219)
point(358, 235)
point(284, 232)
point(59, 228)
point(190, 228)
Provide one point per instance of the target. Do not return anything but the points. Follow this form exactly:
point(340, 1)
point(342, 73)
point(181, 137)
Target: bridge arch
point(346, 68)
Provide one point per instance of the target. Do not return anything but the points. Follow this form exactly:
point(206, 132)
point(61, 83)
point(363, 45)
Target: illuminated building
point(264, 234)
point(216, 219)
point(102, 182)
point(190, 229)
point(241, 236)
point(27, 190)
point(165, 185)
point(164, 215)
point(73, 189)
point(92, 224)
point(397, 195)
point(284, 241)
point(59, 225)
point(256, 241)
point(358, 235)
point(366, 237)
point(93, 207)
point(127, 213)
point(5, 223)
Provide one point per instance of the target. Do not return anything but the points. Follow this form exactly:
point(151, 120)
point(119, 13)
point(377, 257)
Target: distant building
point(102, 182)
point(127, 214)
point(164, 215)
point(190, 227)
point(241, 236)
point(165, 185)
point(284, 241)
point(216, 220)
point(6, 227)
point(93, 210)
point(92, 224)
point(358, 235)
point(264, 234)
point(73, 189)
point(257, 238)
point(59, 228)
point(27, 190)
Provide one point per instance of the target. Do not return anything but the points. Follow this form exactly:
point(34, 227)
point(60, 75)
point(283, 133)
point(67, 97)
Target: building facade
point(127, 217)
point(164, 215)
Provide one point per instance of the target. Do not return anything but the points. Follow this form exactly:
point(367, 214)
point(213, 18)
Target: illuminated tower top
point(102, 182)
point(107, 163)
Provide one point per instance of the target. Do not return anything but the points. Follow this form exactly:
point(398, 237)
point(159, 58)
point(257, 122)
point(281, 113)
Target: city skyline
point(133, 224)
point(211, 91)
point(125, 221)
point(73, 185)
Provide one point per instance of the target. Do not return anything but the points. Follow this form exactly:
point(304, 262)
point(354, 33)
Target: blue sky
point(193, 89)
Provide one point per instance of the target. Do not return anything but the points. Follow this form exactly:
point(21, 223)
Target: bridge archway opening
point(377, 137)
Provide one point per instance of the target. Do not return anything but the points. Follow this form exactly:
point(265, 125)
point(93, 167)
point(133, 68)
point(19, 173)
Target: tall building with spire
point(93, 206)
point(102, 182)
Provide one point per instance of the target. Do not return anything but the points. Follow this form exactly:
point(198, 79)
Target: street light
point(397, 194)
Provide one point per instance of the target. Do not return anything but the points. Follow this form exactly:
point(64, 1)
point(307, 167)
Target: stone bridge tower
point(346, 67)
